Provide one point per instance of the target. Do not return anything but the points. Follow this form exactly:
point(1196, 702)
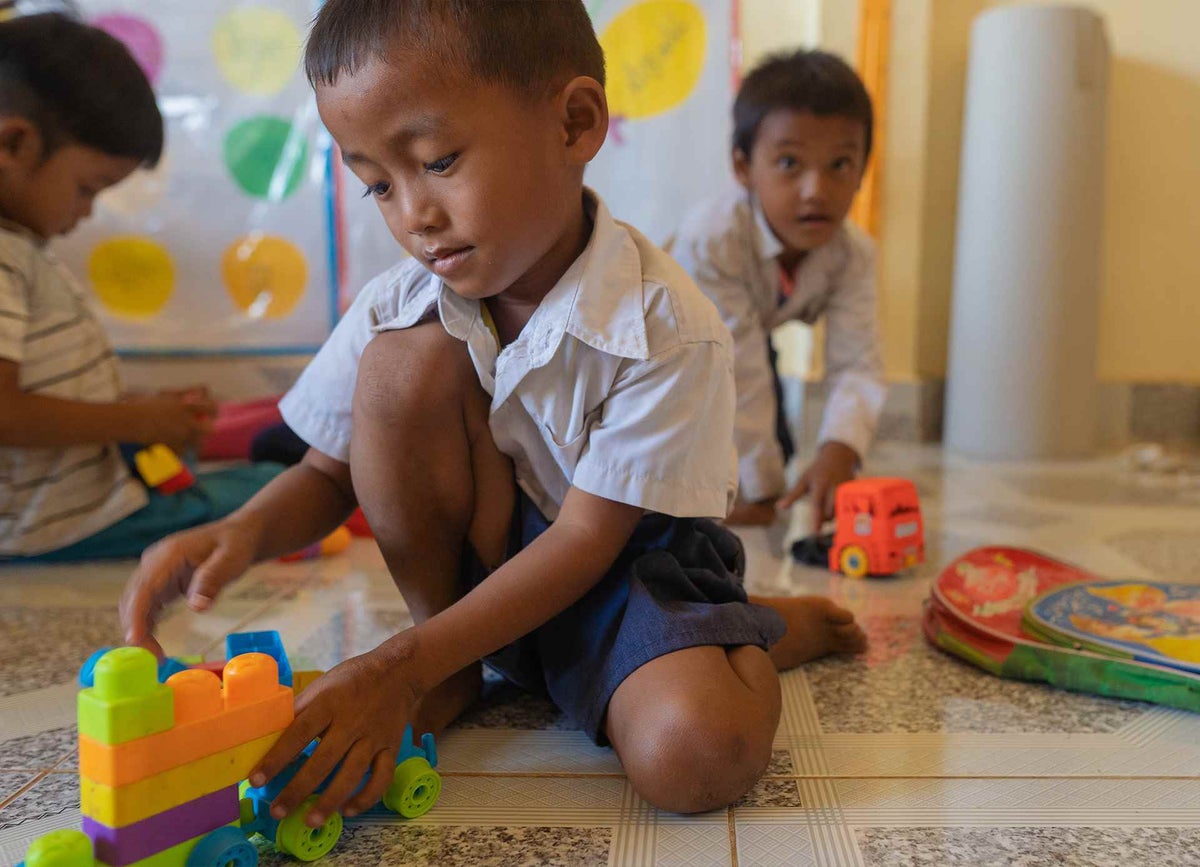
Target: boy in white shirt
point(530, 336)
point(777, 248)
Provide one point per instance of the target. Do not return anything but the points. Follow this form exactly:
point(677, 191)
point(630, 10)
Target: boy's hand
point(835, 463)
point(359, 711)
point(746, 514)
point(194, 564)
point(177, 421)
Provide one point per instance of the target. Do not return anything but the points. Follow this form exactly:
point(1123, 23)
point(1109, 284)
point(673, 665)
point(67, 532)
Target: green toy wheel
point(414, 790)
point(293, 837)
point(63, 848)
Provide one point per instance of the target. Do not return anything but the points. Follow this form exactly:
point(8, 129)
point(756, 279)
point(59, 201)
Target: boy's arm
point(35, 421)
point(301, 505)
point(543, 580)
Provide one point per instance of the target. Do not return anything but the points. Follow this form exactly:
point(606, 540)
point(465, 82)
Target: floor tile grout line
point(21, 791)
point(255, 612)
point(733, 843)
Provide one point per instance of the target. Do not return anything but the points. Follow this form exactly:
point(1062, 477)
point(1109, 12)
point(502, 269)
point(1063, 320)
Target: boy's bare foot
point(447, 701)
point(751, 515)
point(815, 627)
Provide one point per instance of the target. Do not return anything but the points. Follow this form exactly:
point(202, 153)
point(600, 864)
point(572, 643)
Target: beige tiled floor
point(900, 757)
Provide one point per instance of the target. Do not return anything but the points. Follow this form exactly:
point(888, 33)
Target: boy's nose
point(811, 184)
point(419, 215)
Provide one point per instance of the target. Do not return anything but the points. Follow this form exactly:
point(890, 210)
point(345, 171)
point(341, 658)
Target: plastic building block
point(335, 543)
point(266, 641)
point(63, 848)
point(301, 680)
point(358, 526)
point(127, 701)
point(161, 469)
point(124, 805)
point(879, 528)
point(122, 846)
point(166, 668)
point(211, 716)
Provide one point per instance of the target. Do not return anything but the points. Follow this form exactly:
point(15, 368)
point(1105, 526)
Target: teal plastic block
point(127, 701)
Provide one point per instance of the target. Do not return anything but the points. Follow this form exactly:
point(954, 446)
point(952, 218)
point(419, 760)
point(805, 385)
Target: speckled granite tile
point(1172, 555)
point(38, 752)
point(505, 706)
point(770, 792)
point(45, 646)
point(1029, 847)
point(11, 782)
point(460, 846)
point(903, 685)
point(50, 795)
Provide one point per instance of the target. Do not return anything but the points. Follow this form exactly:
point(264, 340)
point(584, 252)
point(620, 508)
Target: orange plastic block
point(302, 680)
point(119, 806)
point(210, 716)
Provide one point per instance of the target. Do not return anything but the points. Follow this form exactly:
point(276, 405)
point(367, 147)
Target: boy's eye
point(440, 165)
point(786, 163)
point(377, 190)
point(842, 164)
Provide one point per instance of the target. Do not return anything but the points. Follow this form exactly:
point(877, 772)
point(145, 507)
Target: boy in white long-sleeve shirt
point(778, 247)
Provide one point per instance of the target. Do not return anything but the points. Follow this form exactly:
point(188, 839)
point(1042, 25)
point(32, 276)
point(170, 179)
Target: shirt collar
point(769, 247)
point(598, 299)
point(28, 234)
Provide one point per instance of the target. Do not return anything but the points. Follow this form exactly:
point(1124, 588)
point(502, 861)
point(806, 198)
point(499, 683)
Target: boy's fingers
point(342, 785)
point(295, 737)
point(383, 768)
point(312, 773)
point(210, 576)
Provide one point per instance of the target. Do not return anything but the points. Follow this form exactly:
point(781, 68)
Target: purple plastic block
point(121, 846)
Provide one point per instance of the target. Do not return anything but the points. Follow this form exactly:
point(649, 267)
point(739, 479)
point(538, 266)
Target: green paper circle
point(259, 149)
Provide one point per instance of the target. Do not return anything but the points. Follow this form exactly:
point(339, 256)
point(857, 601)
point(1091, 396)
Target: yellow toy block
point(127, 701)
point(124, 805)
point(157, 463)
point(210, 717)
point(302, 680)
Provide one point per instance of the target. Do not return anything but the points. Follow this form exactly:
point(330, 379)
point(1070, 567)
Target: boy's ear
point(584, 114)
point(741, 167)
point(20, 141)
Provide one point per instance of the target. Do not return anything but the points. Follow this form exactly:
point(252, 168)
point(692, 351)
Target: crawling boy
point(535, 412)
point(777, 247)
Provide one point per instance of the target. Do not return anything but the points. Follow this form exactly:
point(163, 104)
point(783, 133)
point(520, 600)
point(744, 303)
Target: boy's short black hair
point(79, 86)
point(814, 81)
point(525, 44)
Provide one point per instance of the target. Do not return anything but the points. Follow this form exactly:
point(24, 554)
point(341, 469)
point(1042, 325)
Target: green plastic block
point(64, 848)
point(127, 701)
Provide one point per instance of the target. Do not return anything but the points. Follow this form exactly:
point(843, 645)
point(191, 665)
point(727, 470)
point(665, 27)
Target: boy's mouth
point(445, 260)
point(815, 219)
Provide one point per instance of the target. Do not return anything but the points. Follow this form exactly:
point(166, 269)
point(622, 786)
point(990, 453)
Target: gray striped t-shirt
point(53, 497)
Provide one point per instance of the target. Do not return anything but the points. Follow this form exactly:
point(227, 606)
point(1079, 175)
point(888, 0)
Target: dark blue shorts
point(677, 584)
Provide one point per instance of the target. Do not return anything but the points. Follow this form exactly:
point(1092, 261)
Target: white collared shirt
point(730, 251)
point(620, 384)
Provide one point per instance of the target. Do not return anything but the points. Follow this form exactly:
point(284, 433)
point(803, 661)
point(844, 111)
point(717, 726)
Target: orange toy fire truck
point(879, 528)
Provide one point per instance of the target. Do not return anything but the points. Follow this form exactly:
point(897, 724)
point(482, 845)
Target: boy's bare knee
point(691, 758)
point(417, 369)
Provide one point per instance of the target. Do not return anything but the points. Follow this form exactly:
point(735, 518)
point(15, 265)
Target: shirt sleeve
point(854, 367)
point(14, 311)
point(721, 277)
point(664, 441)
point(319, 406)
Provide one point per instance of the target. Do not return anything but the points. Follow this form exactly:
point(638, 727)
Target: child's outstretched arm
point(301, 505)
point(360, 709)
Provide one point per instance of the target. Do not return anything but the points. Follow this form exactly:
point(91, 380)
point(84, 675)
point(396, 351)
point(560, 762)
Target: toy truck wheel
point(224, 847)
point(853, 562)
point(415, 788)
point(293, 837)
point(65, 848)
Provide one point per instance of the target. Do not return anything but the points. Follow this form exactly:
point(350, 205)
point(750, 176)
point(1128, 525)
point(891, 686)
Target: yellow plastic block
point(302, 680)
point(210, 716)
point(157, 463)
point(124, 805)
point(127, 701)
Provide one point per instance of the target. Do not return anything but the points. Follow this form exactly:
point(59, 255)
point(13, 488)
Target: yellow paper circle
point(132, 276)
point(655, 52)
point(265, 275)
point(257, 49)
